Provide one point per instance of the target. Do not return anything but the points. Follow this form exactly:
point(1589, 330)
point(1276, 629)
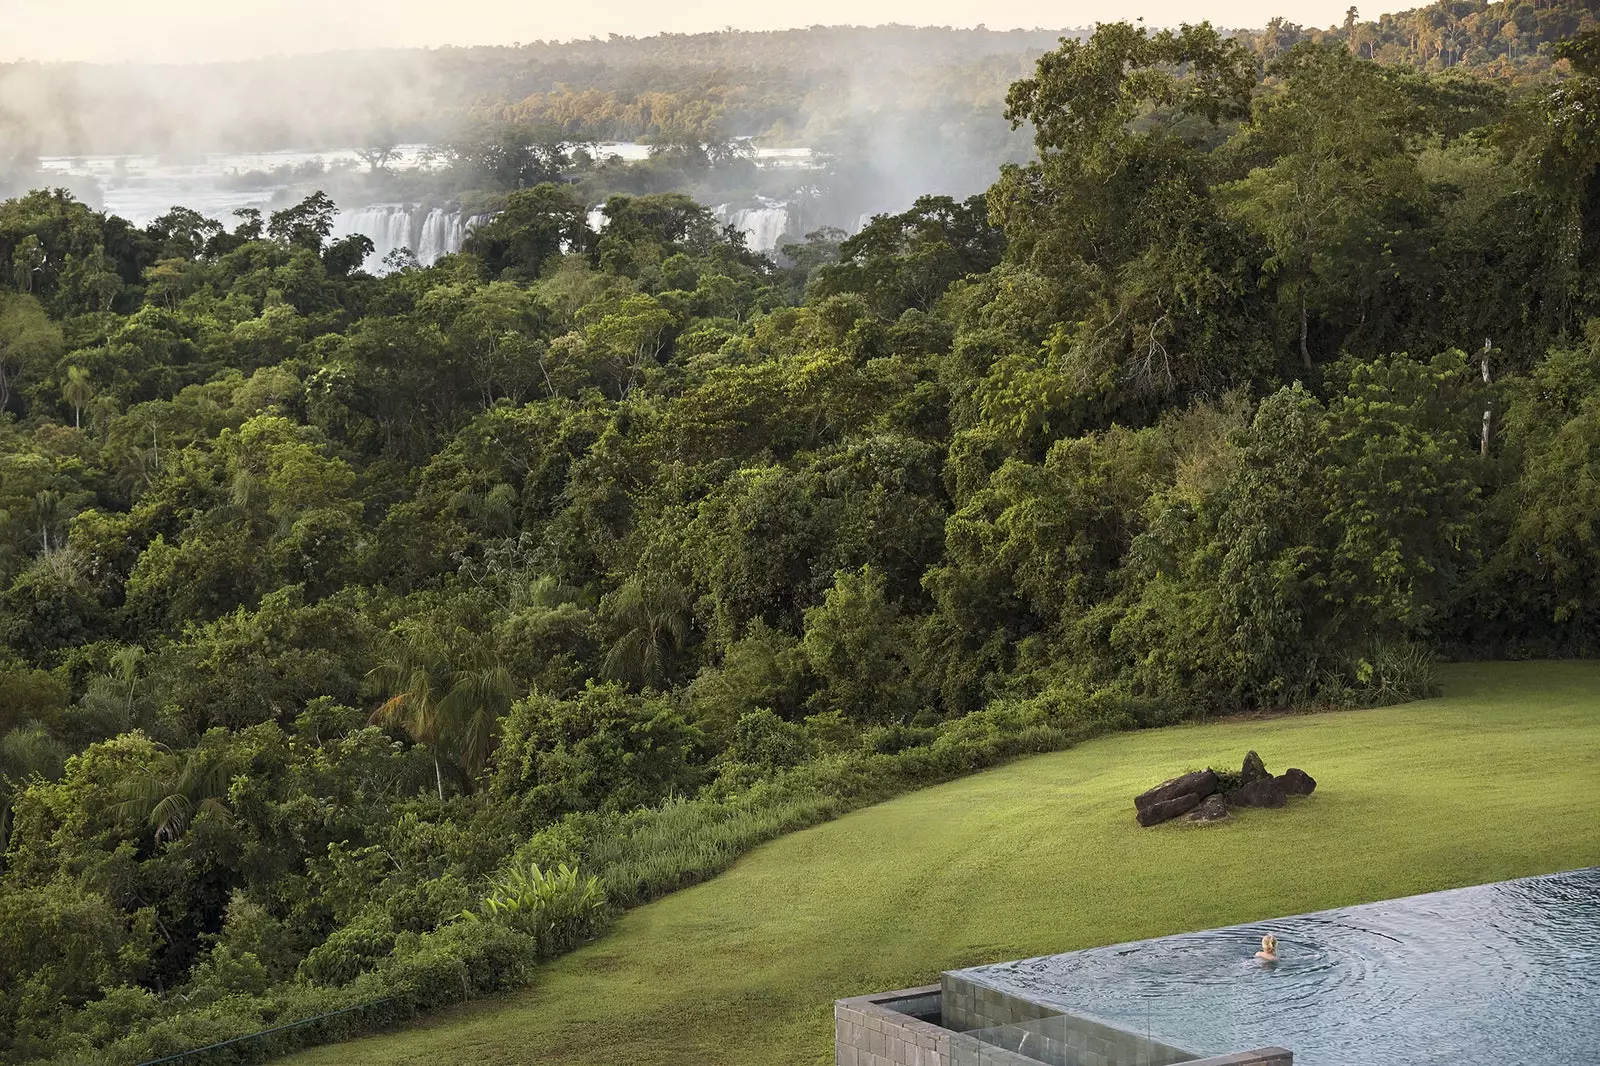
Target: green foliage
point(1390, 673)
point(349, 951)
point(856, 644)
point(333, 606)
point(556, 909)
point(604, 749)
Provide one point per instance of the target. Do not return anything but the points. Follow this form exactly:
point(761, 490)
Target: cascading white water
point(442, 234)
point(387, 226)
point(430, 235)
point(762, 226)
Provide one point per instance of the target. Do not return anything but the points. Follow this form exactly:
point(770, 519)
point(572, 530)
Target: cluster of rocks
point(1200, 794)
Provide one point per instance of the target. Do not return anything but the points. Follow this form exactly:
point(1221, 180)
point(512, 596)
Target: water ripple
point(1503, 974)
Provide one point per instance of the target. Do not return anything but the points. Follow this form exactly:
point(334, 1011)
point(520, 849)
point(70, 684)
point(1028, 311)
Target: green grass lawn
point(1500, 778)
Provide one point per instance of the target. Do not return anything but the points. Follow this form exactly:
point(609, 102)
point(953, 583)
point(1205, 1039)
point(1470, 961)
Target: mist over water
point(877, 118)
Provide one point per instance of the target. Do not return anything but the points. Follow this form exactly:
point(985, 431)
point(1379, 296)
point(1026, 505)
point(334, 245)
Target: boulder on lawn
point(1263, 792)
point(1200, 784)
point(1254, 769)
point(1168, 809)
point(1213, 809)
point(1296, 782)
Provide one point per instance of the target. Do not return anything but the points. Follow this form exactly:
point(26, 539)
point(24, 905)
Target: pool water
point(1500, 975)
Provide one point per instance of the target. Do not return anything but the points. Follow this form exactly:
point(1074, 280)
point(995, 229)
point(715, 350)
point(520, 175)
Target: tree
point(381, 146)
point(168, 802)
point(306, 224)
point(630, 339)
point(536, 225)
point(909, 260)
point(510, 156)
point(859, 650)
point(604, 749)
point(445, 692)
point(78, 391)
point(652, 622)
point(1160, 293)
point(1401, 488)
point(28, 341)
point(1331, 169)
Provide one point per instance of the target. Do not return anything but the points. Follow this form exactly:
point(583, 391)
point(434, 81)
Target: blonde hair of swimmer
point(1269, 949)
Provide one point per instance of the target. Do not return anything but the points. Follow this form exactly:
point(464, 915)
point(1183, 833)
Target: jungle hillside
point(367, 642)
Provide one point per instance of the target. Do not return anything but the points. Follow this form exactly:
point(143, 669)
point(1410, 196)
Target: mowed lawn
point(1498, 779)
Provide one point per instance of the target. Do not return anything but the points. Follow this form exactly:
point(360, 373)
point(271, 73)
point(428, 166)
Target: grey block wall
point(969, 1005)
point(880, 1030)
point(1073, 1040)
point(884, 1030)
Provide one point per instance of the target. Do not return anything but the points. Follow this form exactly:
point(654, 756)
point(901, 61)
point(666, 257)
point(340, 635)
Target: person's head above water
point(1269, 947)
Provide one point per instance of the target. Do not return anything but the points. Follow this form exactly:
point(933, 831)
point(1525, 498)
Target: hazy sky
point(193, 30)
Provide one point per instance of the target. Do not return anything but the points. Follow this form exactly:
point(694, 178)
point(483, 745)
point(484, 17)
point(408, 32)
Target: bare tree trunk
point(1305, 352)
point(1488, 407)
point(438, 776)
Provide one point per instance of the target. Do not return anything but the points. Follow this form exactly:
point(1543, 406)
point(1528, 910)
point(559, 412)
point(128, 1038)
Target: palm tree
point(654, 620)
point(121, 694)
point(169, 803)
point(50, 512)
point(445, 692)
point(78, 391)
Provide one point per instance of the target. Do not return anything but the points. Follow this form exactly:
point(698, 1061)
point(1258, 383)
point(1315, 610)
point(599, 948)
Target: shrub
point(1393, 673)
point(350, 951)
point(556, 909)
point(763, 740)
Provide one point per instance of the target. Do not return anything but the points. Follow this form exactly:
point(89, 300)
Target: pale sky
point(198, 30)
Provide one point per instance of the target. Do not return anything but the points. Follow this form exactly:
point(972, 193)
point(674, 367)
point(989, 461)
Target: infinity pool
point(1500, 975)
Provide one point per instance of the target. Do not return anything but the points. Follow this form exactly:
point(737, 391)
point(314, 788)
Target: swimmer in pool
point(1269, 949)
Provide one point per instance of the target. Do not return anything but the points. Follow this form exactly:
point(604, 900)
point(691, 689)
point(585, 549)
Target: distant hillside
point(1501, 38)
point(733, 83)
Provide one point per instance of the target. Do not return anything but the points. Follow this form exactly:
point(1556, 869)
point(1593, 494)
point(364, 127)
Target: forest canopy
point(364, 640)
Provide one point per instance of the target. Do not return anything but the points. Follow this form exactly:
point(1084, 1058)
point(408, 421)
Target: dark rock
point(1200, 783)
point(1296, 782)
point(1263, 792)
point(1168, 809)
point(1254, 769)
point(1212, 810)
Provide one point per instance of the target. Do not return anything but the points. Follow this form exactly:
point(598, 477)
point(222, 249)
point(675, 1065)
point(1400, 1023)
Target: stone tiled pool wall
point(990, 1016)
point(1068, 1040)
point(891, 1029)
point(965, 1004)
point(912, 1027)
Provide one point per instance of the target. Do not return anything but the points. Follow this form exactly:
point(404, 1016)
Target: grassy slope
point(1501, 778)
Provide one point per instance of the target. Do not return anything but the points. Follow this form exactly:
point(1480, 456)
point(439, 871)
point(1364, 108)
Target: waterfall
point(429, 234)
point(442, 233)
point(762, 226)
